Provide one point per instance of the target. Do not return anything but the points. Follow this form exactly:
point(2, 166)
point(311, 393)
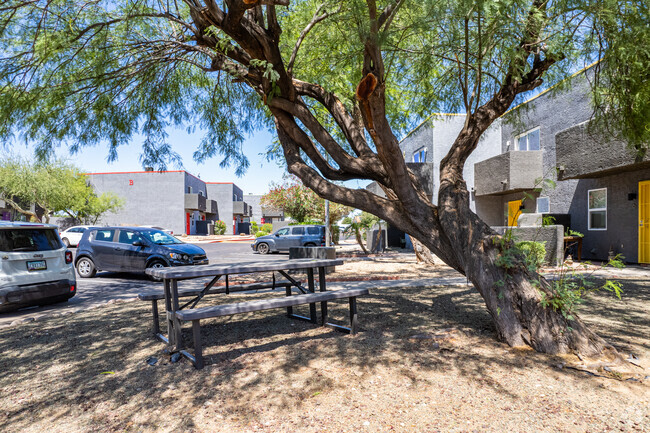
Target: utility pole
point(327, 223)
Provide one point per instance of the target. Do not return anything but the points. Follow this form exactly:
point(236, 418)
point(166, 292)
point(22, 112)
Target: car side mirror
point(138, 244)
point(277, 235)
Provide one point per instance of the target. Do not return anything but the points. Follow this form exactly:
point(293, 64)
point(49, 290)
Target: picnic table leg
point(168, 309)
point(198, 350)
point(289, 309)
point(353, 315)
point(178, 342)
point(312, 289)
point(323, 305)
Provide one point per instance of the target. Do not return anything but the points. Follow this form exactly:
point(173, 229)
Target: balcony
point(211, 207)
point(509, 172)
point(240, 208)
point(268, 212)
point(195, 202)
point(581, 153)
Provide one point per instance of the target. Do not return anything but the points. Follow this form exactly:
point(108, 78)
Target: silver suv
point(35, 266)
point(291, 236)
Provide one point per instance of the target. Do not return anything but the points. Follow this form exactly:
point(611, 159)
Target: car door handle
point(118, 249)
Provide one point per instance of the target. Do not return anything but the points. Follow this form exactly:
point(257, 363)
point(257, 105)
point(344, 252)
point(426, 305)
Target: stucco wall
point(552, 112)
point(583, 153)
point(223, 193)
point(154, 198)
point(622, 232)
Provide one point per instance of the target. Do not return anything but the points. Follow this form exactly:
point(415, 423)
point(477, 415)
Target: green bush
point(260, 233)
point(268, 227)
point(219, 227)
point(535, 253)
point(255, 227)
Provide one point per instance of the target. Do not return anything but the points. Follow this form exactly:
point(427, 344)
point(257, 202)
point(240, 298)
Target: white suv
point(35, 266)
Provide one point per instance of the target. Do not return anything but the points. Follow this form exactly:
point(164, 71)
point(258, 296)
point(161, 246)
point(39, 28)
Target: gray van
point(291, 236)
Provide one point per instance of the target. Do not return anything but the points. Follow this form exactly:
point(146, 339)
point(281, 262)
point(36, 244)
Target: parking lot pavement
point(118, 287)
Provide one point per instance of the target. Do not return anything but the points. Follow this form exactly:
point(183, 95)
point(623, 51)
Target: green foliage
point(219, 227)
point(264, 230)
point(570, 288)
point(56, 187)
point(534, 253)
point(622, 84)
point(255, 227)
point(302, 204)
point(82, 73)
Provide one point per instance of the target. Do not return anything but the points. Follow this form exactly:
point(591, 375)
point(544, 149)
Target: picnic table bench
point(177, 314)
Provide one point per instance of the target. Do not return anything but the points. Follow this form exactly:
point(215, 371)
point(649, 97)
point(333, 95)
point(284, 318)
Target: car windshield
point(160, 238)
point(29, 240)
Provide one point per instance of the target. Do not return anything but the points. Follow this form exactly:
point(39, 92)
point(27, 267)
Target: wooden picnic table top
point(188, 272)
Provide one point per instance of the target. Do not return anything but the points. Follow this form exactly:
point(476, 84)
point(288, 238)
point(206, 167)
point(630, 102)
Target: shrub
point(219, 227)
point(255, 227)
point(535, 253)
point(261, 233)
point(268, 227)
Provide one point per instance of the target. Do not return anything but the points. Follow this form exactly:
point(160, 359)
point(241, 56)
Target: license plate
point(36, 265)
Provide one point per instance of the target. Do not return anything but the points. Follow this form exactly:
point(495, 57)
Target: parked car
point(132, 249)
point(292, 236)
point(72, 235)
point(35, 266)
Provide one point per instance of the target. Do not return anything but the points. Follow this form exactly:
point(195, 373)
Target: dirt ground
point(425, 360)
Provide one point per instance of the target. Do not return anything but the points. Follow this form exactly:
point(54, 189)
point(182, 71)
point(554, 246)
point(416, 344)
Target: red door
point(187, 223)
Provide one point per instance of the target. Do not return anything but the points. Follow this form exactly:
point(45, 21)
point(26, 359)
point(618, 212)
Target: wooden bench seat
point(159, 295)
point(197, 314)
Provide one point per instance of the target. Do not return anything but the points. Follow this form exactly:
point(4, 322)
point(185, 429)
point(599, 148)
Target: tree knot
point(366, 86)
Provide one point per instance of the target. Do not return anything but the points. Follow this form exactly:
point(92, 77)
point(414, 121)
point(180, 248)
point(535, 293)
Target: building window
point(543, 205)
point(597, 205)
point(189, 190)
point(528, 140)
point(420, 155)
point(201, 193)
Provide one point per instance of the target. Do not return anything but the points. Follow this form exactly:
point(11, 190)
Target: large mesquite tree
point(337, 81)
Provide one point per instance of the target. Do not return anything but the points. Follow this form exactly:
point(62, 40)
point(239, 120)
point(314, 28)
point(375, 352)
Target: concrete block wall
point(552, 236)
point(150, 198)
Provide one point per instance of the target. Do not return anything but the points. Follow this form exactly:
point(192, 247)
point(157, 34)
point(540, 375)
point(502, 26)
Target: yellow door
point(513, 212)
point(644, 221)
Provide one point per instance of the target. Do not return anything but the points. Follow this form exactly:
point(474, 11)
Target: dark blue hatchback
point(132, 249)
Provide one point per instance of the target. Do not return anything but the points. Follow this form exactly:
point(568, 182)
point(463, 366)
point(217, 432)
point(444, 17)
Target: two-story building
point(541, 158)
point(176, 200)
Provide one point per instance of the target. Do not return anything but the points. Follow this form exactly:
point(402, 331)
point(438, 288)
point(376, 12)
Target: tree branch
point(315, 20)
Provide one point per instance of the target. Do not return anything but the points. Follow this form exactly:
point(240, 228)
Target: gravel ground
point(426, 360)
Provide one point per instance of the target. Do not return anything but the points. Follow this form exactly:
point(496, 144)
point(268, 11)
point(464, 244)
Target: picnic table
point(175, 313)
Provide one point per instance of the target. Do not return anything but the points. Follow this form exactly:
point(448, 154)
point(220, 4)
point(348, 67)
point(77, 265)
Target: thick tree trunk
point(357, 235)
point(511, 297)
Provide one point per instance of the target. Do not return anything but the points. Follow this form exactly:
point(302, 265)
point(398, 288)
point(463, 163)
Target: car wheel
point(86, 268)
point(310, 244)
point(263, 248)
point(156, 264)
point(66, 242)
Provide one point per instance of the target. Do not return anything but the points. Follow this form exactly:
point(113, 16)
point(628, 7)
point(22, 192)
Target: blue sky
point(256, 180)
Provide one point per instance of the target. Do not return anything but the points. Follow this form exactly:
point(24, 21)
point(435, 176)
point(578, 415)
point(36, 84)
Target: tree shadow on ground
point(92, 366)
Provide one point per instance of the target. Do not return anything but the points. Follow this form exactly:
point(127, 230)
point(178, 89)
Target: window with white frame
point(528, 140)
point(597, 206)
point(420, 155)
point(543, 205)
